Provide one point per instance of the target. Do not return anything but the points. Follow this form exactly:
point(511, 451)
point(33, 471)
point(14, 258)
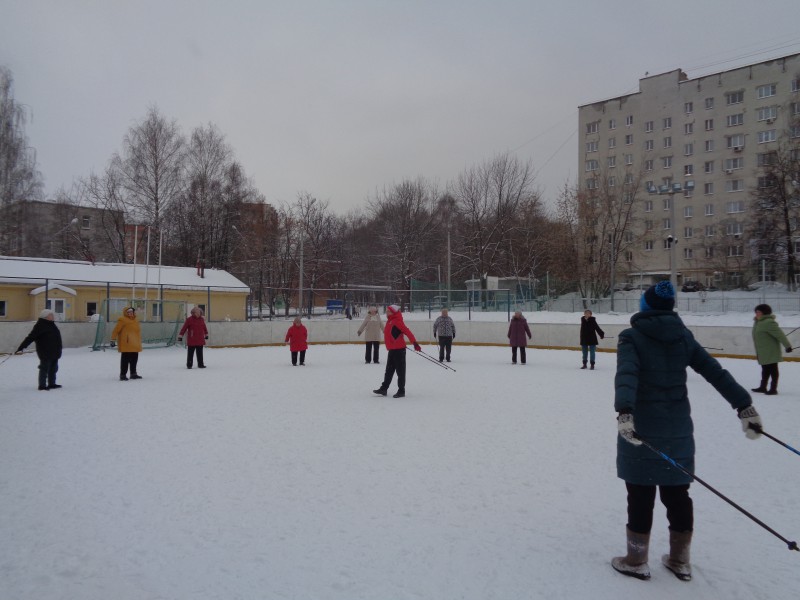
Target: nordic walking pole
point(791, 545)
point(792, 331)
point(760, 430)
point(429, 358)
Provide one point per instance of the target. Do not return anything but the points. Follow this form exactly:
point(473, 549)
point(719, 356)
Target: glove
point(180, 339)
point(417, 347)
point(359, 333)
point(602, 336)
point(789, 349)
point(751, 422)
point(112, 343)
point(626, 430)
point(18, 352)
point(206, 337)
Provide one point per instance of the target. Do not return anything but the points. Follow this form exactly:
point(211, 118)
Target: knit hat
point(660, 296)
point(46, 313)
point(393, 308)
point(765, 309)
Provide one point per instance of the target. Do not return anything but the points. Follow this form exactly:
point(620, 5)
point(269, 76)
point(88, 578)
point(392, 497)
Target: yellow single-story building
point(82, 291)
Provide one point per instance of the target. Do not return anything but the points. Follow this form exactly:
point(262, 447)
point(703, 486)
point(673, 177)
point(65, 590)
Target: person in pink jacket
point(517, 331)
point(297, 338)
point(196, 335)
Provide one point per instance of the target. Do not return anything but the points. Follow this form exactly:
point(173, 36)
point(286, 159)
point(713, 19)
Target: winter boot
point(773, 386)
point(677, 560)
point(399, 394)
point(379, 391)
point(591, 367)
point(635, 563)
point(135, 376)
point(761, 389)
point(584, 365)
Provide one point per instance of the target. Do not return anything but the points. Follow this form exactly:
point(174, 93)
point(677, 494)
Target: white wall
point(732, 340)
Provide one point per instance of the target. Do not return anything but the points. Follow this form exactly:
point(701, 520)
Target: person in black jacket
point(589, 329)
point(48, 348)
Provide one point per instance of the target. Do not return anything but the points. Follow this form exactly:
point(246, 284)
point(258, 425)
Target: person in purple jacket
point(517, 331)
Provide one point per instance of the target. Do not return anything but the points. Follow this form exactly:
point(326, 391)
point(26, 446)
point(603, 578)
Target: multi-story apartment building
point(689, 154)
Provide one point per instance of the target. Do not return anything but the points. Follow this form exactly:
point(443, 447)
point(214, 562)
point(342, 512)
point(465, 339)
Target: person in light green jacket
point(768, 338)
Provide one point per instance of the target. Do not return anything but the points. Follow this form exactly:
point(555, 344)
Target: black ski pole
point(429, 358)
point(760, 430)
point(792, 331)
point(791, 545)
point(10, 354)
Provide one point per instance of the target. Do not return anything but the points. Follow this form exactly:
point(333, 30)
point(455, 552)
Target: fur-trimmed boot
point(677, 560)
point(635, 563)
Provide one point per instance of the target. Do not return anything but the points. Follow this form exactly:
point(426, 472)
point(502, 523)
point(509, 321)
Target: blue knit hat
point(660, 296)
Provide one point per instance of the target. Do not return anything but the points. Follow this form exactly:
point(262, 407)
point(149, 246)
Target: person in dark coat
point(47, 337)
point(589, 331)
point(517, 331)
point(652, 402)
point(768, 339)
point(395, 351)
point(196, 335)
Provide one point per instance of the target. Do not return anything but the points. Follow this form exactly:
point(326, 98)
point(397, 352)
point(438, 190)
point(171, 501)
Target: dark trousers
point(128, 359)
point(395, 362)
point(768, 371)
point(445, 345)
point(302, 357)
point(642, 499)
point(371, 352)
point(190, 355)
point(47, 372)
point(521, 354)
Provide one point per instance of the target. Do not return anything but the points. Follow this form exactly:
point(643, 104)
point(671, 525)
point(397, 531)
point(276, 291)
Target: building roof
point(77, 273)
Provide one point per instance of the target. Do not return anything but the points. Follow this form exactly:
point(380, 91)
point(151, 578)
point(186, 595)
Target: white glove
point(626, 430)
point(749, 417)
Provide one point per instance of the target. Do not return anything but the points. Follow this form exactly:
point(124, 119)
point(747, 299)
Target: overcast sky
point(341, 98)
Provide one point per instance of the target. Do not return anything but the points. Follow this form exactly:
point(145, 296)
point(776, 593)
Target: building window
point(795, 85)
point(688, 253)
point(648, 145)
point(794, 131)
point(734, 97)
point(688, 211)
point(648, 226)
point(709, 124)
point(765, 91)
point(612, 181)
point(688, 149)
point(688, 107)
point(628, 256)
point(592, 127)
point(688, 128)
point(667, 162)
point(709, 145)
point(91, 309)
point(667, 142)
point(734, 120)
point(708, 188)
point(709, 231)
point(612, 142)
point(667, 123)
point(688, 170)
point(629, 159)
point(766, 159)
point(591, 146)
point(85, 222)
point(612, 161)
point(591, 184)
point(3, 314)
point(732, 164)
point(708, 166)
point(648, 127)
point(612, 123)
point(648, 245)
point(710, 252)
point(648, 206)
point(734, 185)
point(628, 178)
point(767, 181)
point(767, 113)
point(735, 250)
point(667, 224)
point(767, 136)
point(666, 203)
point(629, 120)
point(592, 165)
point(709, 210)
point(155, 310)
point(648, 165)
point(734, 229)
point(688, 232)
point(629, 139)
point(735, 207)
point(795, 108)
point(735, 141)
point(709, 103)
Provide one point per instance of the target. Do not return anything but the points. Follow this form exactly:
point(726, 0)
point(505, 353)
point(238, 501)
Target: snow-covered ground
point(254, 479)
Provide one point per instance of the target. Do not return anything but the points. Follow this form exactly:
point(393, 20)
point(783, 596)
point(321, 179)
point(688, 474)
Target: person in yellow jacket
point(128, 333)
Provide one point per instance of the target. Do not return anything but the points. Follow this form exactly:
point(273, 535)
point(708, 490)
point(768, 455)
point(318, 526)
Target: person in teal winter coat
point(652, 401)
point(768, 338)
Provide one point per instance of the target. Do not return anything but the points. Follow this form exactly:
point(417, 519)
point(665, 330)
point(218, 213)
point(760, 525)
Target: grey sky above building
point(341, 98)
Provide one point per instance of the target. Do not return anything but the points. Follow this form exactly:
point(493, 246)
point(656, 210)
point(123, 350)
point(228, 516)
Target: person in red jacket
point(196, 335)
point(396, 351)
point(297, 338)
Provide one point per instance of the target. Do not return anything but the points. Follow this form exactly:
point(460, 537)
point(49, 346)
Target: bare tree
point(105, 192)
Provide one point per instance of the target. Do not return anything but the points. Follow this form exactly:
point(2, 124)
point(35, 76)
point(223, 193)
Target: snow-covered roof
point(76, 273)
point(55, 286)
